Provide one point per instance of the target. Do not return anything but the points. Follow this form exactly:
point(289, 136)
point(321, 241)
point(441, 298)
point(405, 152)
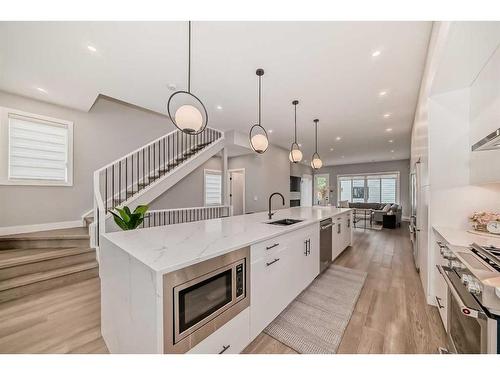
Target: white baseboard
point(39, 227)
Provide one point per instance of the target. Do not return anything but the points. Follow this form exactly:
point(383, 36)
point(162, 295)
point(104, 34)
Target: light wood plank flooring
point(391, 315)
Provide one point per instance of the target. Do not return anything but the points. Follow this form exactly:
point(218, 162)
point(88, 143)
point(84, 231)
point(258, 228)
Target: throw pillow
point(394, 207)
point(344, 204)
point(386, 208)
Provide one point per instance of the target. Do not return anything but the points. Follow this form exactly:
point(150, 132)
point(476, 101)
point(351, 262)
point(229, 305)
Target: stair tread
point(17, 257)
point(78, 233)
point(45, 275)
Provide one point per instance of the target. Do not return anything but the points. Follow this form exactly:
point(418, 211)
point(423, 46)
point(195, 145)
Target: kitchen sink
point(285, 222)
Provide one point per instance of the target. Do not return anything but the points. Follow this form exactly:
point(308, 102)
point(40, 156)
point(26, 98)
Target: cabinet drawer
point(231, 338)
point(267, 248)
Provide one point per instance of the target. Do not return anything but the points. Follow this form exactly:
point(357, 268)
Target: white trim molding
point(18, 229)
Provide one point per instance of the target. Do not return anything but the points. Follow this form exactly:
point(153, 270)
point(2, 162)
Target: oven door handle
point(466, 310)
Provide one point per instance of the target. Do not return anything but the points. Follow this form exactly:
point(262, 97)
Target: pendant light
point(316, 162)
point(191, 116)
point(295, 153)
point(258, 135)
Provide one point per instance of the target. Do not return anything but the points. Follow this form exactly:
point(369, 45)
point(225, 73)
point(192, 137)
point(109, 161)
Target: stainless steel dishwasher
point(325, 244)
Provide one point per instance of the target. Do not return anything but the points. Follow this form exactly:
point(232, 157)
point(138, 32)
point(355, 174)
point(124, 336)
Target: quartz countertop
point(463, 238)
point(168, 248)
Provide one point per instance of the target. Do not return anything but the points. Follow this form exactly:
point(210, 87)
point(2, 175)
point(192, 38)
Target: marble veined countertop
point(463, 238)
point(168, 248)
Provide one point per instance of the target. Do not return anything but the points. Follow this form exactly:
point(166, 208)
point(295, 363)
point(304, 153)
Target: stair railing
point(128, 176)
point(155, 218)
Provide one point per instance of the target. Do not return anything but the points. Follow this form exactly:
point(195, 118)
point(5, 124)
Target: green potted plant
point(128, 220)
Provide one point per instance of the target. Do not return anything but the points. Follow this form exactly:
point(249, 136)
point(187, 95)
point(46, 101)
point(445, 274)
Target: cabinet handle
point(270, 247)
point(274, 261)
point(224, 348)
point(438, 300)
point(338, 228)
point(306, 243)
point(309, 246)
point(348, 223)
point(326, 226)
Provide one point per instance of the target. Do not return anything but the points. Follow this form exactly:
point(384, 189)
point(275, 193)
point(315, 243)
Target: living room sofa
point(378, 210)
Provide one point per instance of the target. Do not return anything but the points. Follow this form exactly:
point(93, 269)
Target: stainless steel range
point(473, 279)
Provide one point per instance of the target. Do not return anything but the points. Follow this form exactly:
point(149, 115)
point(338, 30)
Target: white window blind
point(38, 149)
point(213, 188)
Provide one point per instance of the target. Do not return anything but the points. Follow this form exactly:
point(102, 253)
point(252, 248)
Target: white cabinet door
point(269, 293)
point(231, 338)
point(337, 240)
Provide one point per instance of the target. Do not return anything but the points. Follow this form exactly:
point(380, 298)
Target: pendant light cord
point(295, 105)
point(260, 99)
point(316, 132)
point(189, 57)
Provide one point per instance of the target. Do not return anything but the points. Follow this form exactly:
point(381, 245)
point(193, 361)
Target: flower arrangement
point(480, 219)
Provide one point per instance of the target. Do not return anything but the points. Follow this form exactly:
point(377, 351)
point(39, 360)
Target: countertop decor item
point(191, 116)
point(316, 162)
point(295, 153)
point(481, 219)
point(493, 227)
point(128, 220)
point(258, 135)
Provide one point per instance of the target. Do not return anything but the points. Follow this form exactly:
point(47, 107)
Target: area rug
point(316, 320)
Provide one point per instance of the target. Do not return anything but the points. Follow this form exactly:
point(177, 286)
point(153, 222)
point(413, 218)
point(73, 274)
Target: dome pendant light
point(191, 116)
point(258, 135)
point(295, 153)
point(316, 162)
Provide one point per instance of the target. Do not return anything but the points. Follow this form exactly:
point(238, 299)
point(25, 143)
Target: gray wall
point(264, 174)
point(403, 166)
point(300, 169)
point(105, 133)
point(189, 191)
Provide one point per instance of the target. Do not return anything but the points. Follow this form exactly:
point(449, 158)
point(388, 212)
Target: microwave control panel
point(240, 280)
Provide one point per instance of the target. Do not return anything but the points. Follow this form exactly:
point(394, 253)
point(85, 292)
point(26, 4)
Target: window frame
point(5, 149)
point(211, 171)
point(365, 176)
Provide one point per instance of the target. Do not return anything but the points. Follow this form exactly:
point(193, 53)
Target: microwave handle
point(466, 310)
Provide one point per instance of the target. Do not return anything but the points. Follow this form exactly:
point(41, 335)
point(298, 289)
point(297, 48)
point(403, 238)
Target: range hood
point(490, 142)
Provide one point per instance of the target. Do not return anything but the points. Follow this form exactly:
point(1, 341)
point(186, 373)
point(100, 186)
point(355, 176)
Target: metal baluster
point(120, 182)
point(113, 187)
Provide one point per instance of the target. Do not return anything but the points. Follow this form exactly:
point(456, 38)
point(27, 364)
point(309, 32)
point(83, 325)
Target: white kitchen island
point(133, 265)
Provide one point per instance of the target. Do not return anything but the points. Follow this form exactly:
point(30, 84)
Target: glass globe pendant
point(258, 135)
point(190, 116)
point(295, 155)
point(316, 162)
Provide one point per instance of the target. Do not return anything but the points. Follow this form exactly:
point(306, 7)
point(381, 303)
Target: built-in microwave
point(201, 298)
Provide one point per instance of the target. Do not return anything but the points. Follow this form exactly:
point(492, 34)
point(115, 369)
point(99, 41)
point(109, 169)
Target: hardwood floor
point(391, 315)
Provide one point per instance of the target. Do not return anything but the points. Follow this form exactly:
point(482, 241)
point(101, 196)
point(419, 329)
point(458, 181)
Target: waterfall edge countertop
point(168, 248)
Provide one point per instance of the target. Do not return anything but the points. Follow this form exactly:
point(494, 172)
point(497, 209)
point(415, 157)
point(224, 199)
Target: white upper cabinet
point(484, 119)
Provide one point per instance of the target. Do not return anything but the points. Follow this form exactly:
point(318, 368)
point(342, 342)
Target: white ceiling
point(328, 66)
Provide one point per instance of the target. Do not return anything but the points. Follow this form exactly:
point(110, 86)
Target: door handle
point(274, 261)
point(326, 226)
point(224, 348)
point(270, 247)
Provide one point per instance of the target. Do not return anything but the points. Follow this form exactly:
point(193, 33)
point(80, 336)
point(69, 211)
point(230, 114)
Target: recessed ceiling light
point(331, 149)
point(391, 140)
point(91, 48)
point(376, 53)
point(388, 130)
point(219, 107)
point(387, 115)
point(338, 138)
point(343, 156)
point(270, 130)
point(392, 150)
point(172, 86)
point(41, 90)
point(382, 93)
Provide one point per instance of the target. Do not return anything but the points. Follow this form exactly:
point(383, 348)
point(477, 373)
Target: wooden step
point(58, 238)
point(19, 262)
point(21, 286)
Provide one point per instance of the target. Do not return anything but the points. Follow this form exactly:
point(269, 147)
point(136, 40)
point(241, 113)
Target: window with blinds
point(371, 188)
point(38, 150)
point(213, 188)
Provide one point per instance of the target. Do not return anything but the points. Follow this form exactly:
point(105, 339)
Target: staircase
point(146, 173)
point(34, 262)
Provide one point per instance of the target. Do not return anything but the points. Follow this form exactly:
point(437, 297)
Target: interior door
point(237, 192)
